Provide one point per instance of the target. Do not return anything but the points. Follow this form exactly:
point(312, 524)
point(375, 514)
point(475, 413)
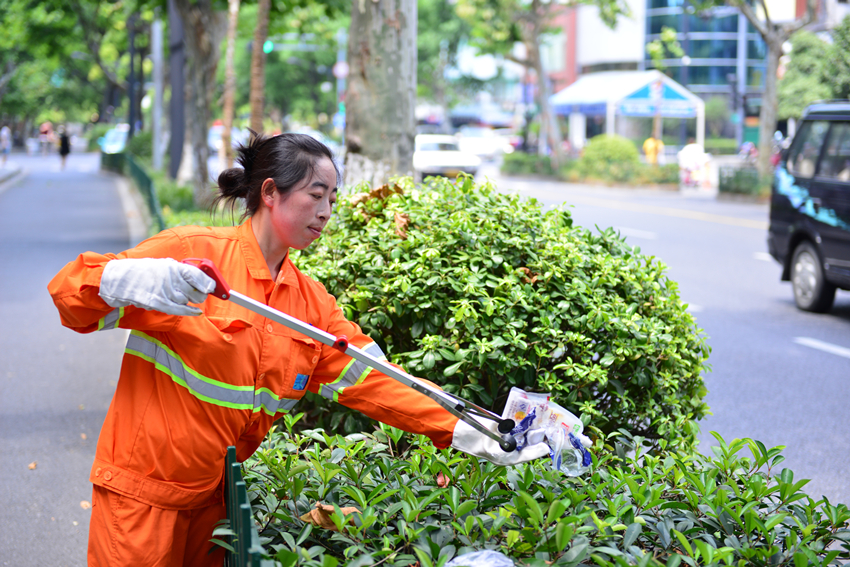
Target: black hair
point(287, 159)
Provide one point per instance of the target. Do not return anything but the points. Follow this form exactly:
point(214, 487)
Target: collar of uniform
point(255, 261)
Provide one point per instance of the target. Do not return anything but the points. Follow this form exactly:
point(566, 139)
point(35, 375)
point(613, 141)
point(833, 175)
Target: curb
point(11, 177)
point(134, 207)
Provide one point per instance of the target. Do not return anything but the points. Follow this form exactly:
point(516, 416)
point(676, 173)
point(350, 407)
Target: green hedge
point(480, 291)
point(607, 157)
point(634, 508)
point(521, 163)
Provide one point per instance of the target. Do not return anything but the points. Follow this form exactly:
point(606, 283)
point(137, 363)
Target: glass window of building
point(713, 49)
point(755, 76)
point(656, 23)
point(756, 49)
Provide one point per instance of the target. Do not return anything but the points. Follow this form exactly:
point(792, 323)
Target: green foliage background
point(479, 291)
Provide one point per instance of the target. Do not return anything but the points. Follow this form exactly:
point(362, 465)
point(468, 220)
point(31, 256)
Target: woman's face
point(299, 217)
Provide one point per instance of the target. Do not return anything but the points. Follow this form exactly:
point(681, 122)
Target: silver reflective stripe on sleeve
point(204, 388)
point(354, 373)
point(111, 320)
point(265, 400)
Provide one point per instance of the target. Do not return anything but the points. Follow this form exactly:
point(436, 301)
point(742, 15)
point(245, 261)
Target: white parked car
point(437, 154)
point(482, 141)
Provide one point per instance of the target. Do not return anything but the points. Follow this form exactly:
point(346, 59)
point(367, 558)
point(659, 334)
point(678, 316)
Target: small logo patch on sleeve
point(300, 381)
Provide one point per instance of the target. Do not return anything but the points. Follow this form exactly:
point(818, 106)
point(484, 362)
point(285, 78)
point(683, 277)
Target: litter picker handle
point(222, 290)
point(461, 408)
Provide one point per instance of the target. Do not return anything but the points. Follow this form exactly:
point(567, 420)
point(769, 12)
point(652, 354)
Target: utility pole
point(156, 48)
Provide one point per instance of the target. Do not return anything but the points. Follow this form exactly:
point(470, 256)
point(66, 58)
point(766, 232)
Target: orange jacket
point(191, 386)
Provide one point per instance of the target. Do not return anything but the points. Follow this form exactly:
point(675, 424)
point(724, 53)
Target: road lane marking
point(764, 256)
point(667, 211)
point(636, 232)
point(825, 347)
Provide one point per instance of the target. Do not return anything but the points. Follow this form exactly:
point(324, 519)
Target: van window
point(836, 156)
point(807, 144)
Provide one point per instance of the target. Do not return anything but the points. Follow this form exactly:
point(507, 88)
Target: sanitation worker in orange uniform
point(201, 374)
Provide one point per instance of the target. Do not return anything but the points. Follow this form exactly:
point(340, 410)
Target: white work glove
point(159, 284)
point(471, 441)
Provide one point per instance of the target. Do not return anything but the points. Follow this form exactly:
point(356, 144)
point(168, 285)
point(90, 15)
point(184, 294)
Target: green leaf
point(451, 370)
point(465, 508)
point(631, 534)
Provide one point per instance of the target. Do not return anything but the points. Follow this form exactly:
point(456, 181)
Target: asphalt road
point(770, 377)
point(778, 374)
point(55, 385)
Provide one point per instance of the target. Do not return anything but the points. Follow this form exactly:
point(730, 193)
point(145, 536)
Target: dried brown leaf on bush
point(442, 480)
point(320, 516)
point(530, 277)
point(402, 221)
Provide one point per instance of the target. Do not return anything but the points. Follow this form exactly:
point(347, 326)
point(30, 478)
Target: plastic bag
point(485, 558)
point(538, 419)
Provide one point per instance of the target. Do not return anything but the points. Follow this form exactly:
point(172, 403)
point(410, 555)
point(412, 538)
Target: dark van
point(810, 207)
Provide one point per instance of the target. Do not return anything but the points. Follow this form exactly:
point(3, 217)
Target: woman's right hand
point(159, 284)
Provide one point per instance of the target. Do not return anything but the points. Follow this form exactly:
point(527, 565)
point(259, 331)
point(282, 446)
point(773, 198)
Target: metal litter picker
point(464, 410)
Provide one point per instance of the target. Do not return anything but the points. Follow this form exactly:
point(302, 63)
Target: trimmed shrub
point(141, 144)
point(479, 291)
point(742, 180)
point(521, 163)
point(609, 158)
point(428, 505)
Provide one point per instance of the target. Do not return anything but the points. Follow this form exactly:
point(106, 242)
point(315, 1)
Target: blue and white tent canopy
point(630, 93)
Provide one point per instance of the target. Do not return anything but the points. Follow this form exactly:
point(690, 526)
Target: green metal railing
point(124, 164)
point(246, 541)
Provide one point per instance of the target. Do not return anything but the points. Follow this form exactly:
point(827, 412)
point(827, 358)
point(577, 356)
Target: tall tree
point(226, 151)
point(774, 35)
point(498, 25)
point(258, 66)
point(204, 27)
point(381, 96)
point(806, 77)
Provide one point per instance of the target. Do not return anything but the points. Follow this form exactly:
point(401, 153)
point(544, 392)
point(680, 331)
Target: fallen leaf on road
point(32, 465)
point(321, 515)
point(83, 436)
point(85, 504)
point(82, 406)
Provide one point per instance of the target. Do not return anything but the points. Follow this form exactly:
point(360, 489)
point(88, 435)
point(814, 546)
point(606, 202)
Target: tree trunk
point(381, 96)
point(226, 151)
point(258, 66)
point(767, 115)
point(204, 28)
point(548, 120)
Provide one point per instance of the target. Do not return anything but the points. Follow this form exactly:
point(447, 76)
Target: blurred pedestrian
point(45, 136)
point(693, 162)
point(5, 142)
point(653, 148)
point(64, 145)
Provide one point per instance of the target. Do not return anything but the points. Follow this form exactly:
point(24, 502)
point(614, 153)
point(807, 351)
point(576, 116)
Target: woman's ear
point(268, 191)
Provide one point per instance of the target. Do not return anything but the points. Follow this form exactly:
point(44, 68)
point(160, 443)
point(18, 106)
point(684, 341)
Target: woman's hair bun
point(232, 183)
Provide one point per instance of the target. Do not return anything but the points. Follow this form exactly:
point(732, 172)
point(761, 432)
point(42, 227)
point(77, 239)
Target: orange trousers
point(126, 532)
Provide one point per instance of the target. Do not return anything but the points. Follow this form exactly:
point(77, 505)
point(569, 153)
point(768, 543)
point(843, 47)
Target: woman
point(197, 378)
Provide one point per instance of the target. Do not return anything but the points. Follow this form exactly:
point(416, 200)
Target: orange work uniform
point(191, 386)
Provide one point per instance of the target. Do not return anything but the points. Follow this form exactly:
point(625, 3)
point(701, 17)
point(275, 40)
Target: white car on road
point(437, 154)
